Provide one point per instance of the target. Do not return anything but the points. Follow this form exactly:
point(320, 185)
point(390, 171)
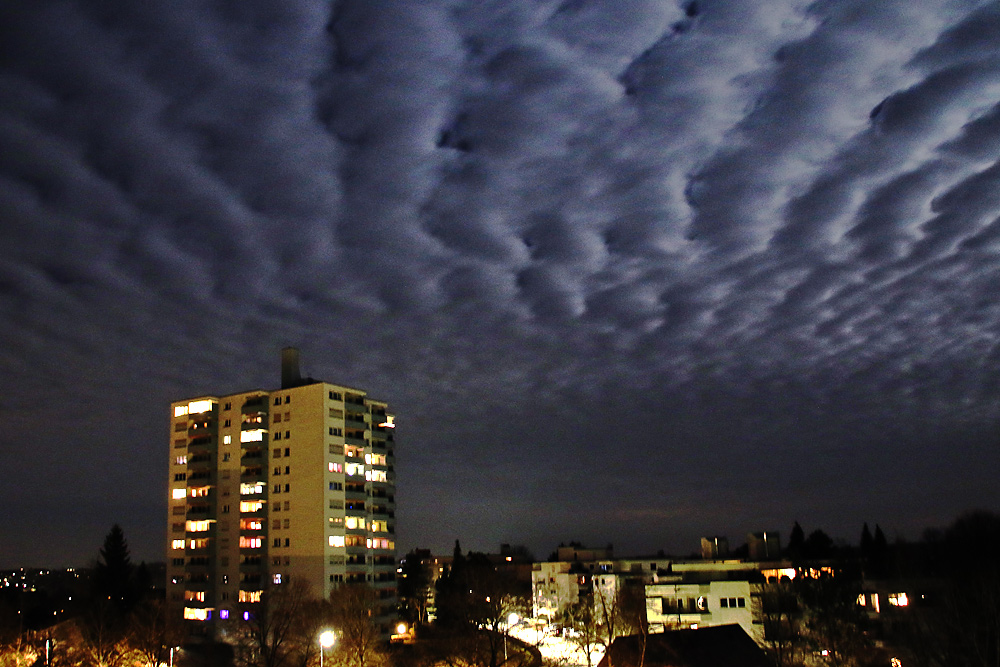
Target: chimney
point(290, 376)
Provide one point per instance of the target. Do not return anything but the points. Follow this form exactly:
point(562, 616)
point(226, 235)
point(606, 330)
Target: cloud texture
point(698, 266)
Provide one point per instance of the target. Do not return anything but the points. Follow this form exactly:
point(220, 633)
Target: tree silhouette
point(796, 542)
point(113, 575)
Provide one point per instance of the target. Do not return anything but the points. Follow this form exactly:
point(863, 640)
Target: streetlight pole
point(326, 640)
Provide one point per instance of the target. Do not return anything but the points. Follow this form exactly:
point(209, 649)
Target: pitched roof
point(716, 646)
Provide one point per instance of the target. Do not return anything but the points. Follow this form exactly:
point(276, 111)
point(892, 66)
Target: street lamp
point(326, 640)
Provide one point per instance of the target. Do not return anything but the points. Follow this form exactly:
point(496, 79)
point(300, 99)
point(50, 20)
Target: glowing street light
point(326, 640)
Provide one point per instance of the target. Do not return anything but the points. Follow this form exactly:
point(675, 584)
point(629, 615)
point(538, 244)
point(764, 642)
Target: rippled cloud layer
point(703, 266)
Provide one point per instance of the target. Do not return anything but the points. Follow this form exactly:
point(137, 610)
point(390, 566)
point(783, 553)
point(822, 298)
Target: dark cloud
point(628, 271)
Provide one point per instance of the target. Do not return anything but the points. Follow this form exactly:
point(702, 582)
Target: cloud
point(677, 232)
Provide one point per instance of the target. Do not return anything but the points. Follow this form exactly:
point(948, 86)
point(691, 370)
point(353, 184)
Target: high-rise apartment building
point(272, 486)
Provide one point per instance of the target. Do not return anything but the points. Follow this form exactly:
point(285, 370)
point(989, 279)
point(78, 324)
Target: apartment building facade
point(272, 486)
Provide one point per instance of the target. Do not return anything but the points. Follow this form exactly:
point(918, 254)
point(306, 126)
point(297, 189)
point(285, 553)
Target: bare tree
point(354, 609)
point(103, 635)
point(272, 634)
point(153, 630)
point(781, 617)
point(582, 626)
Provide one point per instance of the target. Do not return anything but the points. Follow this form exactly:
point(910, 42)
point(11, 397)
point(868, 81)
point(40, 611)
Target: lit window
point(354, 522)
point(255, 435)
point(335, 540)
point(197, 407)
point(250, 506)
point(898, 599)
point(223, 614)
point(195, 614)
point(249, 596)
point(199, 491)
point(336, 467)
point(251, 489)
point(277, 578)
point(355, 469)
point(181, 460)
point(250, 543)
point(227, 439)
point(180, 493)
point(177, 544)
point(194, 596)
point(180, 410)
point(198, 526)
point(376, 476)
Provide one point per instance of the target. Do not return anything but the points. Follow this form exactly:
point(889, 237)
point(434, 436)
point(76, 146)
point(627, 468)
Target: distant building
point(764, 546)
point(713, 548)
point(267, 486)
point(685, 604)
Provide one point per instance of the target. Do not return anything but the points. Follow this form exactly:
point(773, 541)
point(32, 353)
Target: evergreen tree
point(867, 552)
point(796, 542)
point(113, 578)
point(879, 559)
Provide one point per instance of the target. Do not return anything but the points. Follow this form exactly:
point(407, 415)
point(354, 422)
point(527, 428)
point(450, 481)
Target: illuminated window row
point(251, 489)
point(250, 506)
point(193, 408)
point(250, 596)
point(199, 526)
point(250, 542)
point(194, 596)
point(196, 614)
point(381, 543)
point(257, 435)
point(376, 476)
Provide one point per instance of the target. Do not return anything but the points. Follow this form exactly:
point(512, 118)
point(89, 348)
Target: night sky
point(628, 271)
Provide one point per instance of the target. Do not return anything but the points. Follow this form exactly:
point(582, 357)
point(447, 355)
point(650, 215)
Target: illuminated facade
point(270, 486)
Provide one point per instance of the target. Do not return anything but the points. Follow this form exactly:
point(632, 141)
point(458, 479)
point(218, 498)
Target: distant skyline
point(628, 271)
